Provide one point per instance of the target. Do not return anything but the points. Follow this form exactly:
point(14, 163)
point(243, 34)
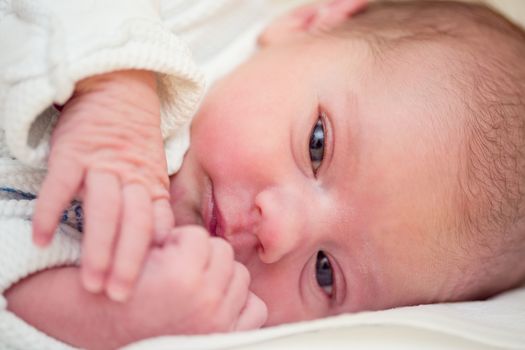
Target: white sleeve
point(48, 45)
point(19, 258)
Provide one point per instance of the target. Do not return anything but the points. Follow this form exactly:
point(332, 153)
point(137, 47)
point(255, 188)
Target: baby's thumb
point(253, 315)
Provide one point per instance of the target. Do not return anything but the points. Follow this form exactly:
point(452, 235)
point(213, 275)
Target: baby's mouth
point(211, 213)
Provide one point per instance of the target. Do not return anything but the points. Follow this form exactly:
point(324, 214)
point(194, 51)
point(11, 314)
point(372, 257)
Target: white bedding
point(497, 323)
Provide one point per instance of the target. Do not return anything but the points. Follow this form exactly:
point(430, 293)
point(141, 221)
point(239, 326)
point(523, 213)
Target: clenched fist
point(191, 284)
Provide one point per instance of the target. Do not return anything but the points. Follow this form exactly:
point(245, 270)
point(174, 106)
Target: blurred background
point(513, 9)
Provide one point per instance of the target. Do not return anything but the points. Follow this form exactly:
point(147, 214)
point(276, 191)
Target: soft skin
point(63, 299)
point(186, 278)
point(376, 206)
point(112, 149)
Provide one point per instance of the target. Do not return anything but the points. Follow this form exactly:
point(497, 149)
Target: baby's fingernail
point(93, 281)
point(41, 240)
point(117, 292)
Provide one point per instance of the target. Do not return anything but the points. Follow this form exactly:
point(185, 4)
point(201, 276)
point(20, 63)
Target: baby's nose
point(280, 225)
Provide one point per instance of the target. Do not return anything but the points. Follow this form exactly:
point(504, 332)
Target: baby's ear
point(311, 18)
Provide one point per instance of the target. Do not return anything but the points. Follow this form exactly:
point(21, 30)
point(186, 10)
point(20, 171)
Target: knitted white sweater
point(45, 47)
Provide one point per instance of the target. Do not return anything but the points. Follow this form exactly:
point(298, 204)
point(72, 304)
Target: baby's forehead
point(442, 45)
point(415, 24)
point(472, 56)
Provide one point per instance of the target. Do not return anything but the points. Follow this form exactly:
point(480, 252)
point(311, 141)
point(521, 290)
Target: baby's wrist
point(54, 302)
point(128, 96)
point(125, 91)
point(126, 78)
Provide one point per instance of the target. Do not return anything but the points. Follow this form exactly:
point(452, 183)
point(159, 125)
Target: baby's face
point(326, 173)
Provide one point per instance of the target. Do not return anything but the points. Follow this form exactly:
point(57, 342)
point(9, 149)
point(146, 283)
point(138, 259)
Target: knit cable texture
point(53, 62)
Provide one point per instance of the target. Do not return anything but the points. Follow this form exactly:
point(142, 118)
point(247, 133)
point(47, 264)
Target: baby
point(367, 163)
point(351, 164)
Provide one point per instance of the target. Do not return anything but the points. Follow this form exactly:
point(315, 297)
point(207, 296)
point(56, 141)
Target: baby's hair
point(487, 63)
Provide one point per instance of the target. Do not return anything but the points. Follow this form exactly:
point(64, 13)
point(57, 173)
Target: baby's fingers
point(102, 203)
point(163, 219)
point(58, 189)
point(242, 306)
point(253, 315)
point(134, 241)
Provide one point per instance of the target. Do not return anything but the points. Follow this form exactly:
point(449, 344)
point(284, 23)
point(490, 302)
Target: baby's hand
point(108, 149)
point(192, 285)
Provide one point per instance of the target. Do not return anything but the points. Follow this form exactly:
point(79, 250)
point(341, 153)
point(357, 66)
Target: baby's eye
point(324, 273)
point(316, 147)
